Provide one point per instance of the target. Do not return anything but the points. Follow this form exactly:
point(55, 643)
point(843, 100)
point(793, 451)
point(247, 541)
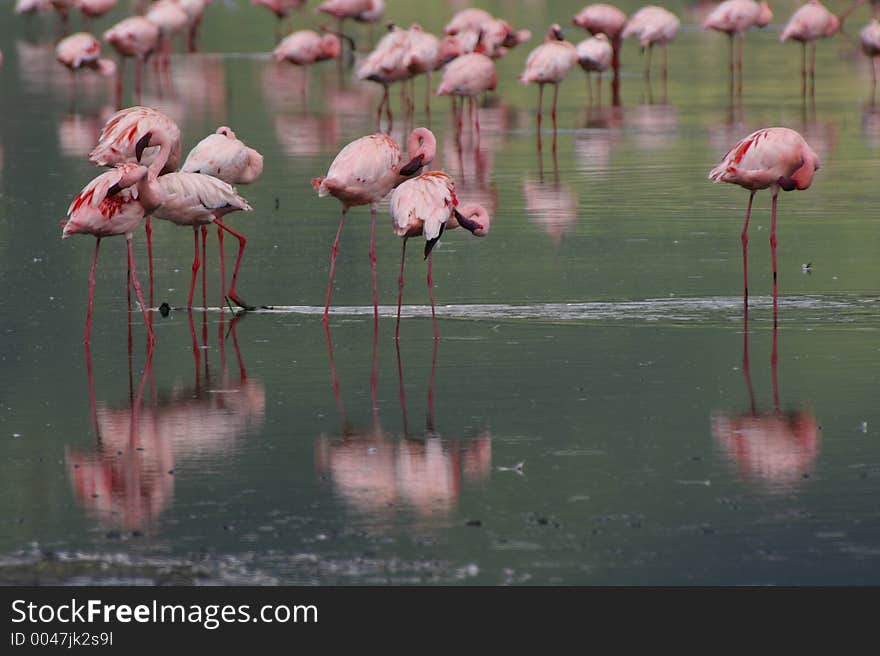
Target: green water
point(596, 335)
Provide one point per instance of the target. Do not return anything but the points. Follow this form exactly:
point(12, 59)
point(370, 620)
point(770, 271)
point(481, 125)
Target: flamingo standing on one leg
point(870, 40)
point(133, 37)
point(363, 173)
point(652, 26)
point(735, 18)
point(426, 205)
point(83, 50)
point(385, 65)
point(774, 158)
point(549, 63)
point(808, 24)
point(107, 206)
point(227, 158)
point(467, 77)
point(610, 21)
point(195, 199)
point(595, 54)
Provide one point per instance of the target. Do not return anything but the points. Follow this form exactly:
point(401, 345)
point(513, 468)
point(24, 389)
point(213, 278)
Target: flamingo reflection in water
point(127, 480)
point(380, 475)
point(774, 448)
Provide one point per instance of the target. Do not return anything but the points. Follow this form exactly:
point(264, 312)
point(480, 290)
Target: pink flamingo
point(363, 173)
point(426, 205)
point(735, 18)
point(774, 158)
point(870, 40)
point(475, 26)
point(652, 26)
point(364, 11)
point(468, 76)
point(30, 7)
point(610, 21)
point(425, 54)
point(114, 203)
point(281, 8)
point(307, 47)
point(171, 19)
point(550, 63)
point(195, 12)
point(807, 25)
point(82, 50)
point(194, 199)
point(385, 65)
point(94, 8)
point(595, 54)
point(134, 37)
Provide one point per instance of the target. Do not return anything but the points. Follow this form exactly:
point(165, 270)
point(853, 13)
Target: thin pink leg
point(373, 265)
point(204, 267)
point(151, 339)
point(195, 268)
point(149, 230)
point(746, 370)
point(773, 240)
point(242, 242)
point(400, 288)
point(197, 358)
point(91, 292)
point(431, 295)
point(745, 249)
point(334, 251)
point(540, 100)
point(429, 420)
point(401, 389)
point(774, 356)
point(222, 269)
point(555, 100)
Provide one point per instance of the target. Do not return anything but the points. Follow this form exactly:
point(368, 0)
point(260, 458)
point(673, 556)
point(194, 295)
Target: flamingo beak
point(787, 184)
point(466, 223)
point(413, 167)
point(141, 145)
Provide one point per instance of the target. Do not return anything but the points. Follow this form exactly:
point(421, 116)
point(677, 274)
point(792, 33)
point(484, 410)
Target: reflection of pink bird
point(468, 76)
point(82, 50)
point(363, 173)
point(307, 47)
point(426, 205)
point(194, 199)
point(771, 158)
point(807, 25)
point(652, 26)
point(550, 63)
point(108, 206)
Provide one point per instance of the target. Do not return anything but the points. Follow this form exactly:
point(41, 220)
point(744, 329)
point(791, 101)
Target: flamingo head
point(421, 147)
point(474, 218)
point(765, 16)
point(331, 46)
point(555, 33)
point(225, 131)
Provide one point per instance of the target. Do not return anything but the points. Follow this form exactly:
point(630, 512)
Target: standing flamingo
point(227, 158)
point(595, 54)
point(774, 158)
point(94, 8)
point(307, 47)
point(365, 11)
point(385, 65)
point(363, 173)
point(468, 76)
point(870, 40)
point(550, 63)
point(426, 205)
point(133, 37)
point(30, 7)
point(195, 12)
point(195, 199)
point(610, 21)
point(114, 203)
point(82, 50)
point(808, 24)
point(171, 19)
point(652, 26)
point(281, 8)
point(735, 18)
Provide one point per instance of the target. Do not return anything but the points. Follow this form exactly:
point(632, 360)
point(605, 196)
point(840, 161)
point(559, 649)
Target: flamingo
point(114, 203)
point(424, 55)
point(735, 18)
point(426, 205)
point(870, 40)
point(170, 17)
point(652, 26)
point(774, 158)
point(82, 50)
point(385, 65)
point(195, 199)
point(94, 8)
point(281, 8)
point(610, 21)
point(195, 11)
point(468, 76)
point(595, 54)
point(134, 37)
point(30, 7)
point(808, 24)
point(478, 26)
point(307, 47)
point(364, 11)
point(550, 63)
point(363, 173)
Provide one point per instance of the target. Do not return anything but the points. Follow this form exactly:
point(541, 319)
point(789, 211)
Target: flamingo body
point(138, 127)
point(469, 76)
point(281, 8)
point(307, 47)
point(83, 50)
point(595, 54)
point(601, 19)
point(652, 25)
point(32, 6)
point(811, 22)
point(738, 16)
point(195, 199)
point(223, 156)
point(133, 37)
point(869, 38)
point(95, 211)
point(550, 62)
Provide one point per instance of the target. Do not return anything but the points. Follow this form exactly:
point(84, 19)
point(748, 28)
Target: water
point(586, 417)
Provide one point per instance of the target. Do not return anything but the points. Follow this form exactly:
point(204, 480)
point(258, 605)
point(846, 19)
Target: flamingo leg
point(222, 268)
point(195, 268)
point(91, 292)
point(242, 243)
point(429, 418)
point(615, 64)
point(400, 288)
point(589, 89)
point(739, 63)
point(804, 69)
point(428, 86)
point(373, 265)
point(599, 88)
point(732, 67)
point(204, 267)
point(774, 356)
point(401, 389)
point(813, 65)
point(648, 62)
point(745, 249)
point(745, 362)
point(334, 251)
point(381, 105)
point(555, 100)
point(431, 295)
point(151, 339)
point(773, 239)
point(149, 231)
point(540, 101)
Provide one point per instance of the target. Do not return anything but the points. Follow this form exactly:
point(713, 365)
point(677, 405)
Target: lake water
point(585, 418)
